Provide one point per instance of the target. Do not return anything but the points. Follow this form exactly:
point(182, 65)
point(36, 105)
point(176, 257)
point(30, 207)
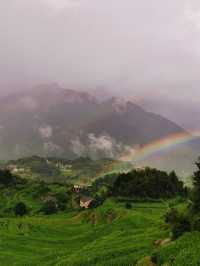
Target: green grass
point(109, 235)
point(182, 252)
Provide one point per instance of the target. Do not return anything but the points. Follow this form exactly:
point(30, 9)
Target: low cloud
point(78, 148)
point(46, 132)
point(103, 146)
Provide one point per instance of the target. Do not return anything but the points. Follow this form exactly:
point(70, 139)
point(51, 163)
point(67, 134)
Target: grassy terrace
point(109, 235)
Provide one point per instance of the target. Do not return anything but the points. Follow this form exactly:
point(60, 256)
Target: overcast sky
point(150, 48)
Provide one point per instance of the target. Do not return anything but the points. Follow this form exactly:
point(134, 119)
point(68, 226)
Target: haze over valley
point(51, 121)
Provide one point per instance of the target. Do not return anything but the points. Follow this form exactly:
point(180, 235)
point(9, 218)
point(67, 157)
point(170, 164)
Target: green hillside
point(43, 224)
point(109, 235)
point(184, 251)
point(81, 171)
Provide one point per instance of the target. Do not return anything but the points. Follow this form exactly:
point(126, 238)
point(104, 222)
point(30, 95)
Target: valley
point(44, 223)
point(99, 133)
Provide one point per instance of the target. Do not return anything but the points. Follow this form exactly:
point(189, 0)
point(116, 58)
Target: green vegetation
point(184, 224)
point(109, 235)
point(82, 171)
point(148, 183)
point(137, 218)
point(20, 209)
point(182, 252)
point(188, 219)
point(20, 196)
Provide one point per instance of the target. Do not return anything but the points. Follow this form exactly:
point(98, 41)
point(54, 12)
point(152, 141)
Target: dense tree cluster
point(148, 183)
point(8, 179)
point(107, 180)
point(188, 219)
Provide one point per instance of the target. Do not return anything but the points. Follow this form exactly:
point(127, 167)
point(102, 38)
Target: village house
point(85, 202)
point(77, 188)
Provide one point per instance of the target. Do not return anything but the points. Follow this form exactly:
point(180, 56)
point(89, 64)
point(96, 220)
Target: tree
point(196, 189)
point(50, 207)
point(128, 205)
point(6, 178)
point(61, 199)
point(147, 183)
point(41, 190)
point(20, 209)
point(178, 222)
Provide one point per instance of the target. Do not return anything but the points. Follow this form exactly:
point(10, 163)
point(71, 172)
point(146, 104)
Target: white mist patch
point(129, 153)
point(19, 150)
point(78, 148)
point(46, 132)
point(102, 146)
point(119, 105)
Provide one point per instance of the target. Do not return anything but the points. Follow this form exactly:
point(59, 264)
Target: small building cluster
point(84, 201)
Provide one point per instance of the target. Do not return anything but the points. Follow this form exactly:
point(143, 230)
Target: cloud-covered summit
point(138, 45)
point(146, 49)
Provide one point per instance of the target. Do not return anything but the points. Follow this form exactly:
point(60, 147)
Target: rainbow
point(134, 155)
point(159, 145)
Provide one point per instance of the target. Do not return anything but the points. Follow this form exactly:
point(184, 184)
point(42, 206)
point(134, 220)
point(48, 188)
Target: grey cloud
point(148, 48)
point(29, 103)
point(78, 148)
point(100, 147)
point(46, 131)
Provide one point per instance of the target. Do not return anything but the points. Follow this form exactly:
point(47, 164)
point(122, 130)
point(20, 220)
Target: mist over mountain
point(148, 51)
point(52, 121)
point(63, 120)
point(185, 112)
point(183, 109)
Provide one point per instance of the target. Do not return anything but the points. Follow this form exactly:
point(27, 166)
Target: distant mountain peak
point(49, 120)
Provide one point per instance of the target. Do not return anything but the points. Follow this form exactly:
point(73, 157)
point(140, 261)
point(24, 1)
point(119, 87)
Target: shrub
point(196, 223)
point(6, 178)
point(98, 201)
point(20, 209)
point(154, 258)
point(49, 207)
point(171, 216)
point(180, 227)
point(128, 205)
point(41, 190)
point(178, 222)
point(61, 199)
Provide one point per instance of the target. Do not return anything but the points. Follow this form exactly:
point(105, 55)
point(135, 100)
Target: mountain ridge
point(52, 121)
